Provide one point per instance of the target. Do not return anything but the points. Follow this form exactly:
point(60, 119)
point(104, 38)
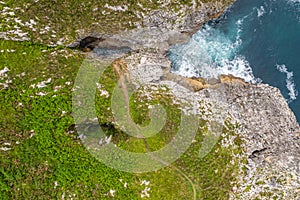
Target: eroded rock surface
point(160, 28)
point(267, 125)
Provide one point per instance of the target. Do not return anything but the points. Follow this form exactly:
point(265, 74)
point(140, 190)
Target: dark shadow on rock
point(111, 51)
point(89, 43)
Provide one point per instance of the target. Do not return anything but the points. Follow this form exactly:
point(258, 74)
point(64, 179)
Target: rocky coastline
point(140, 36)
point(255, 149)
point(267, 124)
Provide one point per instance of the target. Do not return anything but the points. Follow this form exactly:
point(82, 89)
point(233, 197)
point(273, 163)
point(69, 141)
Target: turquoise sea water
point(258, 40)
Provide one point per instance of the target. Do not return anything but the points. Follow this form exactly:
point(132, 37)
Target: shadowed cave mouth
point(90, 43)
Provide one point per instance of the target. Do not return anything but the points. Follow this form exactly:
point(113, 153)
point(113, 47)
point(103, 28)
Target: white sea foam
point(260, 11)
point(295, 4)
point(211, 53)
point(294, 1)
point(290, 85)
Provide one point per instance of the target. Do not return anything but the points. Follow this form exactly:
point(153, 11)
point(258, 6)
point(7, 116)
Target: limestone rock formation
point(267, 124)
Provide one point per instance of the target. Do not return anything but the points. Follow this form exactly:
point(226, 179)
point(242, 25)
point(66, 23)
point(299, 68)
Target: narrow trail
point(120, 71)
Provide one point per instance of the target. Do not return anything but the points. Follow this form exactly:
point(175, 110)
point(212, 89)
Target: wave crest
point(290, 85)
point(211, 53)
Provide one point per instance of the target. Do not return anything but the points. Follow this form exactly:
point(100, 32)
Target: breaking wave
point(290, 85)
point(247, 42)
point(295, 4)
point(294, 1)
point(211, 53)
point(260, 11)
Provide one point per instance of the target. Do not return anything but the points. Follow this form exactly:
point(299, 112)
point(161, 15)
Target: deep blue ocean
point(258, 40)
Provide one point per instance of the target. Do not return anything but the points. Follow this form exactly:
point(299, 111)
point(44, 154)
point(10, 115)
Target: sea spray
point(290, 85)
point(211, 53)
point(247, 41)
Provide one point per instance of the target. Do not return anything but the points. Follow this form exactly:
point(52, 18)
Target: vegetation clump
point(42, 155)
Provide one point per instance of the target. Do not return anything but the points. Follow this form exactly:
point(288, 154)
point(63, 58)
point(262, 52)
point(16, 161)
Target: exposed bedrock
point(267, 124)
point(158, 28)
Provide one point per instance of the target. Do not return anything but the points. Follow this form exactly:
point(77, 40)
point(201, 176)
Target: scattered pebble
point(5, 148)
point(3, 71)
point(55, 184)
point(144, 182)
point(145, 192)
point(112, 192)
point(41, 94)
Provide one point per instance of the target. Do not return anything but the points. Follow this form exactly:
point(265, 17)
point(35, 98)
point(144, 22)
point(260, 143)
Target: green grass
point(46, 159)
point(64, 22)
point(48, 152)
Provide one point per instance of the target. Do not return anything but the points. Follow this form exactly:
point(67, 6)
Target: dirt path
point(121, 68)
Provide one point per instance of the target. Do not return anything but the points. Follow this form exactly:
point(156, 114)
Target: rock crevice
point(267, 124)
